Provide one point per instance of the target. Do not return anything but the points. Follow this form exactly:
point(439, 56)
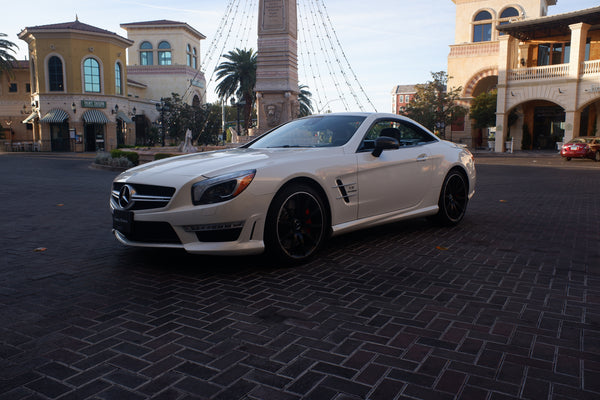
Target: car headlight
point(221, 188)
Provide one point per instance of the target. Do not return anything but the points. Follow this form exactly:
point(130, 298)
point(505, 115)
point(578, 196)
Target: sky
point(386, 42)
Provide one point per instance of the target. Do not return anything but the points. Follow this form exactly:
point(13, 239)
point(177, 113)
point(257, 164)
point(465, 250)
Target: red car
point(582, 147)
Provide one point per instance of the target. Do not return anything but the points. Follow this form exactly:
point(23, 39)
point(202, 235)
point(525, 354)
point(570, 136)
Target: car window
point(318, 131)
point(406, 133)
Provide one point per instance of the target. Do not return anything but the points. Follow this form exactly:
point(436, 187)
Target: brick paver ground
point(506, 305)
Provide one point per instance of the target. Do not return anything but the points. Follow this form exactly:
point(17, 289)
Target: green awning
point(30, 118)
point(55, 116)
point(94, 117)
point(123, 117)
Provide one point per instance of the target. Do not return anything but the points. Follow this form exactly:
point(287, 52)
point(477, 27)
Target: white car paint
point(401, 183)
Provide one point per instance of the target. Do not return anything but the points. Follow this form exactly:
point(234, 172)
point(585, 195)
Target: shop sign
point(93, 104)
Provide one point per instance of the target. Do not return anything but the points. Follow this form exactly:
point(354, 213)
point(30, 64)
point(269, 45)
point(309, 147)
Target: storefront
point(94, 130)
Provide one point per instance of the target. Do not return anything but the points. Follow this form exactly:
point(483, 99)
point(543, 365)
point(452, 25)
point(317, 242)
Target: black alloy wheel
point(296, 224)
point(454, 197)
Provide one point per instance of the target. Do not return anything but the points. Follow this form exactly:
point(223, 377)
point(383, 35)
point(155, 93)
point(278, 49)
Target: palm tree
point(7, 59)
point(304, 98)
point(238, 77)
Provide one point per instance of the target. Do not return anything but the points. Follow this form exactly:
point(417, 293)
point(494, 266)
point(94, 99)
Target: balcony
point(539, 73)
point(552, 71)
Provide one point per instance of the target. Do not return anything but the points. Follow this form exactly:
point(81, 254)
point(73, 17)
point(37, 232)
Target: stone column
point(277, 64)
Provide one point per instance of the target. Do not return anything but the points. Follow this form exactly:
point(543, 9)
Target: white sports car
point(288, 190)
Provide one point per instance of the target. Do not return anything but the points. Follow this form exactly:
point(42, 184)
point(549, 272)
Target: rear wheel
point(568, 158)
point(453, 200)
point(296, 224)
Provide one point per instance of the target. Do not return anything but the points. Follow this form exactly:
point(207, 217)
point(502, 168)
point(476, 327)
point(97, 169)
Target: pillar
point(277, 64)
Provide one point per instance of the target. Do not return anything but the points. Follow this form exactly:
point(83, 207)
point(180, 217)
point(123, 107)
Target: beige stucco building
point(165, 59)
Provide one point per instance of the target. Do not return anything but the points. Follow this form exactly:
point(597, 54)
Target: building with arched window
point(545, 69)
point(473, 59)
point(80, 104)
point(164, 59)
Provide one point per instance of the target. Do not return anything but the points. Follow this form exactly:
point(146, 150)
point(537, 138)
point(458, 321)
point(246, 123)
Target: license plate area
point(123, 221)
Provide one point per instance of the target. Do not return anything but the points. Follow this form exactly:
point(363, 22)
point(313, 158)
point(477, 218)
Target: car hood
point(177, 171)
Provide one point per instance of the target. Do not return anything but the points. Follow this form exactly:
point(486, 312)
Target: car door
point(398, 179)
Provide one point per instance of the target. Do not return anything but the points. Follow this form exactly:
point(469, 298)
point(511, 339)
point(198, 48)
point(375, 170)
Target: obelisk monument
point(277, 63)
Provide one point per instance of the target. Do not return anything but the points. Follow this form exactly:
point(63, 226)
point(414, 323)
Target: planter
point(509, 146)
point(491, 145)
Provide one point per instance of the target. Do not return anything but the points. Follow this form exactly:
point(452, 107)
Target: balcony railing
point(539, 73)
point(590, 67)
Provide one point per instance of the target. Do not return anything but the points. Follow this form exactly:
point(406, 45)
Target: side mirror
point(384, 143)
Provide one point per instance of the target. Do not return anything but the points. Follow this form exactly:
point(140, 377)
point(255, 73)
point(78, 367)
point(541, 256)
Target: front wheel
point(453, 200)
point(296, 225)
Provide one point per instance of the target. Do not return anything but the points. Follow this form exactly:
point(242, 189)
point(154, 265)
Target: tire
point(454, 198)
point(568, 158)
point(597, 156)
point(296, 225)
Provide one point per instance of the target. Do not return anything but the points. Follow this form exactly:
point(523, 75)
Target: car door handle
point(422, 157)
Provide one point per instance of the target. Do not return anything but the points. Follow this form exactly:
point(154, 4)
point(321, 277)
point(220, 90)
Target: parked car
point(288, 190)
point(582, 147)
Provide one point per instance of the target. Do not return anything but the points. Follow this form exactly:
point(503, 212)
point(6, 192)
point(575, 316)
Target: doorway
point(59, 136)
point(94, 137)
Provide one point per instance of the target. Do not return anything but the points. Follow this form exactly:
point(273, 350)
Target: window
point(91, 75)
point(55, 74)
point(554, 53)
point(507, 15)
point(406, 133)
point(189, 55)
point(195, 60)
point(164, 53)
point(482, 29)
point(28, 87)
point(146, 54)
point(12, 88)
point(400, 98)
point(407, 99)
point(118, 79)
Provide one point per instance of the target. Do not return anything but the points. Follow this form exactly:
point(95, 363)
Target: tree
point(483, 109)
point(434, 106)
point(7, 59)
point(304, 98)
point(238, 77)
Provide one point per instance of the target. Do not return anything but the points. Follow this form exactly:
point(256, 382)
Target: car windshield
point(319, 131)
point(581, 140)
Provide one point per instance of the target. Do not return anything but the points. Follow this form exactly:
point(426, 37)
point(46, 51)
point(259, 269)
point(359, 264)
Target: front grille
point(146, 197)
point(152, 232)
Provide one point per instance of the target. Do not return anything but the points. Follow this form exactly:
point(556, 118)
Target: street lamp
point(238, 105)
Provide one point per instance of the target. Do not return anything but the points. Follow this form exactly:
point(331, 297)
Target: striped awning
point(94, 117)
point(30, 118)
point(123, 117)
point(55, 116)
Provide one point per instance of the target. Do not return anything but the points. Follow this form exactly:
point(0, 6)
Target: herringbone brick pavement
point(504, 306)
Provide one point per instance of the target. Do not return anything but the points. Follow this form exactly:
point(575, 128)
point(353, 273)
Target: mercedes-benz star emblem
point(126, 196)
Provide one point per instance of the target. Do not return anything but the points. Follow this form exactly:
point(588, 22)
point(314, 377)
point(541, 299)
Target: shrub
point(130, 155)
point(160, 156)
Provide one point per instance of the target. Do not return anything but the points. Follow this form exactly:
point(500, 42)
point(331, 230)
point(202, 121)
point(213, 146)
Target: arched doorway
point(482, 83)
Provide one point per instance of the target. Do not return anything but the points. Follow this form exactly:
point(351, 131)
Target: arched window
point(189, 55)
point(146, 54)
point(91, 76)
point(55, 74)
point(118, 79)
point(195, 60)
point(482, 27)
point(164, 53)
point(507, 15)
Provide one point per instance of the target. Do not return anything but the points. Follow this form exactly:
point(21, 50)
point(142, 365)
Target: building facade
point(165, 58)
point(77, 91)
point(474, 57)
point(548, 80)
point(401, 96)
point(15, 105)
